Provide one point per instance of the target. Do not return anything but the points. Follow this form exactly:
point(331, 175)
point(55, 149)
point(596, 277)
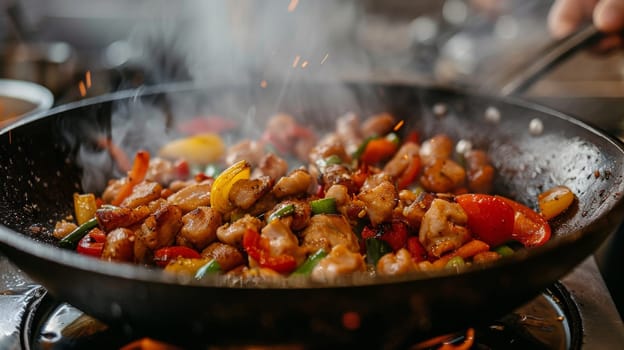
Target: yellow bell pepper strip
point(306, 268)
point(257, 249)
point(323, 206)
point(212, 266)
point(84, 207)
point(136, 175)
point(199, 149)
point(555, 201)
point(163, 256)
point(281, 212)
point(219, 193)
point(71, 240)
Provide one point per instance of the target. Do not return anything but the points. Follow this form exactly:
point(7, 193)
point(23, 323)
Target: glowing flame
point(88, 78)
point(293, 5)
point(82, 88)
point(398, 125)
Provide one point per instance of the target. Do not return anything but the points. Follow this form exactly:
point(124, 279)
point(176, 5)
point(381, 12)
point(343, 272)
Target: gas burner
point(577, 312)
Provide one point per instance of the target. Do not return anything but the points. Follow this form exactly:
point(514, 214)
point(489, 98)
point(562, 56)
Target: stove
point(574, 313)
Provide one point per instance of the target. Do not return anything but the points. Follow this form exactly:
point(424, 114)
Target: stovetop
point(576, 312)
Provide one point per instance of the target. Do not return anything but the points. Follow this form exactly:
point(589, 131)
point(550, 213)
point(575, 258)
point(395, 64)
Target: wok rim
point(73, 260)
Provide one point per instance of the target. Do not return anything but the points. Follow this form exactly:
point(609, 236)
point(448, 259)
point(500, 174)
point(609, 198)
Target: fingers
point(609, 15)
point(566, 15)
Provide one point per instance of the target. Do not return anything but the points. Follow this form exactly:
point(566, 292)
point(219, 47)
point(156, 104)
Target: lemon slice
point(222, 185)
point(199, 149)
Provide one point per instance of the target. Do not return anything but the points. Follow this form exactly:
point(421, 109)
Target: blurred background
point(79, 49)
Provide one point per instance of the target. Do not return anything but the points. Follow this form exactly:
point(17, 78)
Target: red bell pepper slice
point(258, 248)
point(395, 234)
point(163, 256)
point(409, 175)
point(92, 243)
point(530, 228)
point(416, 249)
point(489, 218)
point(181, 169)
point(377, 150)
point(136, 175)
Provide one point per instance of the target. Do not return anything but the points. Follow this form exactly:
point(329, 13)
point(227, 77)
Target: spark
point(82, 88)
point(296, 61)
point(398, 125)
point(88, 78)
point(324, 58)
point(304, 64)
point(263, 84)
point(293, 5)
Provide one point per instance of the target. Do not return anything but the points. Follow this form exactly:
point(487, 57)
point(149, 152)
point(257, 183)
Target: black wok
point(40, 172)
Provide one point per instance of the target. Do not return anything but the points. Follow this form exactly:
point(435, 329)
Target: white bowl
point(22, 98)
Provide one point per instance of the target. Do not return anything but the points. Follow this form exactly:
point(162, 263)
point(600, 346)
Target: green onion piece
point(71, 240)
point(504, 250)
point(331, 160)
point(375, 249)
point(212, 266)
point(281, 212)
point(362, 147)
point(394, 138)
point(308, 265)
point(323, 206)
point(456, 263)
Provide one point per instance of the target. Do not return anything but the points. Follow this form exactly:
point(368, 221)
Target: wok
point(41, 170)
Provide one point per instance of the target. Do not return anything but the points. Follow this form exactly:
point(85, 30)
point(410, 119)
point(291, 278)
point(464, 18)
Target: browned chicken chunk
point(192, 196)
point(298, 182)
point(200, 228)
point(380, 202)
point(119, 245)
point(226, 255)
point(111, 218)
point(232, 234)
point(339, 262)
point(246, 192)
point(326, 231)
point(443, 227)
point(142, 194)
point(398, 263)
point(160, 229)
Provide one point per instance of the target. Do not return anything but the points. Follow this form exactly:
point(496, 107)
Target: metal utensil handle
point(522, 79)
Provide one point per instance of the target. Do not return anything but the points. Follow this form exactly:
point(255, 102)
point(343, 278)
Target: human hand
point(566, 15)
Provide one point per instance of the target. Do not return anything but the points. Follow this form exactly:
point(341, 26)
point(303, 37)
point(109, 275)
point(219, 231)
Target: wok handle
point(548, 58)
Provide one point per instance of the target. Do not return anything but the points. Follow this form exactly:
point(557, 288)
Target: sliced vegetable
point(394, 234)
point(456, 262)
point(281, 212)
point(186, 266)
point(202, 148)
point(362, 147)
point(84, 207)
point(530, 228)
point(416, 249)
point(555, 201)
point(257, 249)
point(323, 206)
point(223, 184)
point(308, 265)
point(136, 175)
point(331, 160)
point(92, 243)
point(71, 240)
point(375, 249)
point(504, 250)
point(377, 150)
point(410, 174)
point(163, 256)
point(212, 266)
point(182, 169)
point(489, 218)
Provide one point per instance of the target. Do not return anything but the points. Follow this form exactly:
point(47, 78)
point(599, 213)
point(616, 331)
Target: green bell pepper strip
point(71, 240)
point(281, 212)
point(311, 262)
point(456, 262)
point(504, 250)
point(323, 206)
point(375, 249)
point(212, 266)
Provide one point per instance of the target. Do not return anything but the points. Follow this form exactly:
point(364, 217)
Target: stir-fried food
point(360, 199)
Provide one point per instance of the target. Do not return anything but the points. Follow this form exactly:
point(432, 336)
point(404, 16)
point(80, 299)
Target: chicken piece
point(226, 255)
point(378, 125)
point(443, 228)
point(299, 182)
point(331, 145)
point(256, 272)
point(401, 160)
point(301, 216)
point(160, 170)
point(339, 262)
point(326, 231)
point(119, 245)
point(192, 196)
point(160, 229)
point(305, 140)
point(112, 188)
point(415, 212)
point(112, 218)
point(279, 130)
point(480, 172)
point(272, 166)
point(379, 202)
point(341, 195)
point(338, 174)
point(248, 150)
point(398, 263)
point(281, 241)
point(142, 193)
point(374, 180)
point(348, 131)
point(439, 147)
point(63, 228)
point(442, 176)
point(244, 193)
point(200, 228)
point(232, 234)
